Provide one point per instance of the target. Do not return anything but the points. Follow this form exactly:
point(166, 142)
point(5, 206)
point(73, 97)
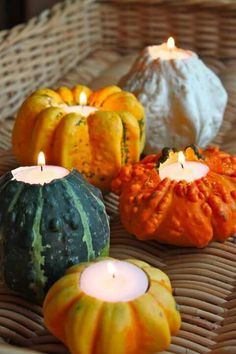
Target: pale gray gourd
point(184, 100)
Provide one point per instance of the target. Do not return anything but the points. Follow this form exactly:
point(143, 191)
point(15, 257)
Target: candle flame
point(83, 98)
point(111, 269)
point(171, 43)
point(181, 158)
point(41, 159)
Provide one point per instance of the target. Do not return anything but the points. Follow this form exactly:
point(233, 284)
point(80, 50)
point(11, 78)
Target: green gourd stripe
point(38, 259)
point(97, 199)
point(141, 127)
point(87, 237)
point(124, 145)
point(15, 199)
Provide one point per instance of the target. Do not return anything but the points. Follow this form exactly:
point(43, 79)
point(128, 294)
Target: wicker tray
point(90, 42)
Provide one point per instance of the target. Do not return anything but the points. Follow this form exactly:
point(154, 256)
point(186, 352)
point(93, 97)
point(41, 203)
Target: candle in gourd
point(82, 108)
point(40, 174)
point(182, 170)
point(183, 99)
point(94, 132)
point(184, 198)
point(51, 218)
point(112, 306)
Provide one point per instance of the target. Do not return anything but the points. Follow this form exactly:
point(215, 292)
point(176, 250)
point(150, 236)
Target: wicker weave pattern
point(207, 29)
point(39, 53)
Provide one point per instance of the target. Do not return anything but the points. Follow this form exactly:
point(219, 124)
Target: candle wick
point(41, 167)
point(113, 275)
point(181, 165)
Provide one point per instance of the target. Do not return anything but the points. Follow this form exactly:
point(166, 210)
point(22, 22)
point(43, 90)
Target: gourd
point(179, 213)
point(88, 325)
point(97, 146)
point(183, 99)
point(47, 228)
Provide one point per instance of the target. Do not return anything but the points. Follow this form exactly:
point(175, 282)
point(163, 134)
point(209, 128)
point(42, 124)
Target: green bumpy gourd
point(45, 229)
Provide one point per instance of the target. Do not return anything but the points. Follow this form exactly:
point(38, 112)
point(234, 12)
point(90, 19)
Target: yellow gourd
point(97, 145)
point(88, 325)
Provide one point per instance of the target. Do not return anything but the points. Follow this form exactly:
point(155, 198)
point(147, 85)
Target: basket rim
point(35, 22)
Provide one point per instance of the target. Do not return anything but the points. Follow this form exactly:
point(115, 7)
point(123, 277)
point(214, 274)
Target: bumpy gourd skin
point(179, 213)
point(96, 146)
point(90, 326)
point(45, 229)
point(184, 100)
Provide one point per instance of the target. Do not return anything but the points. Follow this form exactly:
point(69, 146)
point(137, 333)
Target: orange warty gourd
point(91, 326)
point(179, 213)
point(97, 146)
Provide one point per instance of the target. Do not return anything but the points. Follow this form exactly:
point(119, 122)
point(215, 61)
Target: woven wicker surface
point(84, 41)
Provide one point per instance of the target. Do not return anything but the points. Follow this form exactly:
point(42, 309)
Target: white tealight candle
point(168, 51)
point(40, 174)
point(182, 170)
point(82, 108)
point(114, 281)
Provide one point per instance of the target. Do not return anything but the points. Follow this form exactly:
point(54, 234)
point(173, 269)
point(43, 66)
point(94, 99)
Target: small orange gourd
point(88, 325)
point(179, 213)
point(97, 145)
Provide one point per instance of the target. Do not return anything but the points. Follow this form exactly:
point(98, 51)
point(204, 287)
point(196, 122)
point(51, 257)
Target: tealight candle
point(40, 174)
point(82, 108)
point(168, 51)
point(114, 281)
point(188, 171)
